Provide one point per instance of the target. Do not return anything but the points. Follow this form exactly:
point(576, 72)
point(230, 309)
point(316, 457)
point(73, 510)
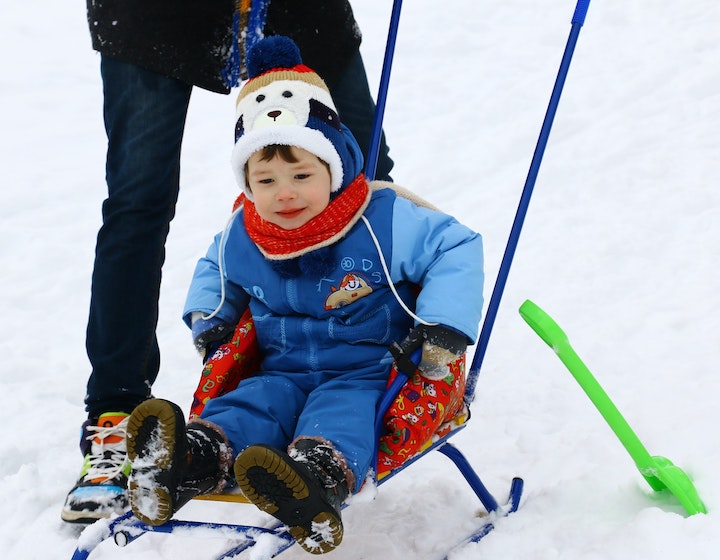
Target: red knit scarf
point(326, 228)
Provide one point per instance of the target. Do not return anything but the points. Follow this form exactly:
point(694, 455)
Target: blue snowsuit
point(324, 339)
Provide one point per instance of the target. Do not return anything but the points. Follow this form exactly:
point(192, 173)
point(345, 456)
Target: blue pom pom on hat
point(285, 102)
point(273, 52)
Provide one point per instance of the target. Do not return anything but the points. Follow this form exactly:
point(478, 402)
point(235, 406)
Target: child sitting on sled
point(334, 271)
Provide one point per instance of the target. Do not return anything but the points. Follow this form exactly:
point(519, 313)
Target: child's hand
point(440, 346)
point(209, 335)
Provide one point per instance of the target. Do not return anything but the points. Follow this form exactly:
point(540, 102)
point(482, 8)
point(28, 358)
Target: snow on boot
point(172, 464)
point(296, 493)
point(207, 470)
point(327, 465)
point(101, 490)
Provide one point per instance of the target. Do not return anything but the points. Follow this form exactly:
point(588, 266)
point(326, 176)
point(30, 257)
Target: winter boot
point(101, 489)
point(172, 463)
point(304, 490)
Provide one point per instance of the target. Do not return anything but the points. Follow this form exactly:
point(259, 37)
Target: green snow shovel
point(659, 472)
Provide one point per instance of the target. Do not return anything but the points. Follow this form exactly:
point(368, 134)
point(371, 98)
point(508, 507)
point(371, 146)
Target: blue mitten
point(209, 334)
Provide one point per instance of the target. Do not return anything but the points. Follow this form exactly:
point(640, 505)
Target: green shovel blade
point(659, 472)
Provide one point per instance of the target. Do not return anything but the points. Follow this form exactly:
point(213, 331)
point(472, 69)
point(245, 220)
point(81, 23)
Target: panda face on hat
point(287, 103)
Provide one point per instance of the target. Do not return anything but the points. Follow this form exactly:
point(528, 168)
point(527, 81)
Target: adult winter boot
point(304, 490)
point(171, 462)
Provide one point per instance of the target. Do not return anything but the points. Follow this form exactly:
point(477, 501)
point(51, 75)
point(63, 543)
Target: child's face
point(289, 194)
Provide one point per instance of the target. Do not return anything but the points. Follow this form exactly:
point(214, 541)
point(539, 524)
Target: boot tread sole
point(152, 425)
point(269, 481)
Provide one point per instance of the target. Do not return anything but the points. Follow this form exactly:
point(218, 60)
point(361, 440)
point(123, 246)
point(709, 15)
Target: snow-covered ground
point(619, 246)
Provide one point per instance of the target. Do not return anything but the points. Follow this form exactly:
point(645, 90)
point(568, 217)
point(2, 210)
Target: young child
point(334, 271)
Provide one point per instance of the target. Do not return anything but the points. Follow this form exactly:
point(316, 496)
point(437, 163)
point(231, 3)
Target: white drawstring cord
point(387, 275)
point(221, 266)
point(377, 248)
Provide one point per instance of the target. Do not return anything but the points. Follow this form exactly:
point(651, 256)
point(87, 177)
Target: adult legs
point(144, 120)
point(355, 104)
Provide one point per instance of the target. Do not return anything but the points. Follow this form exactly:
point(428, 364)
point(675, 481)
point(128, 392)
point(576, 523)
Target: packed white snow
point(620, 246)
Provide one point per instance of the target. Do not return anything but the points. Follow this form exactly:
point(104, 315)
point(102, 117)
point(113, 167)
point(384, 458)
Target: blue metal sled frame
point(127, 528)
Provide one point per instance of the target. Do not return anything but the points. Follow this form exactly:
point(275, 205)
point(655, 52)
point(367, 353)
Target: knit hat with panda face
point(284, 102)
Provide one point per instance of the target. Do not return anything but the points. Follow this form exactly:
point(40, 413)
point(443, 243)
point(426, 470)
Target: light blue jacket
point(348, 317)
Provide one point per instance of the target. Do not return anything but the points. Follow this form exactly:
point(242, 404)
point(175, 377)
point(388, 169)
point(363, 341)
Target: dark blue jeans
point(144, 120)
point(356, 108)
